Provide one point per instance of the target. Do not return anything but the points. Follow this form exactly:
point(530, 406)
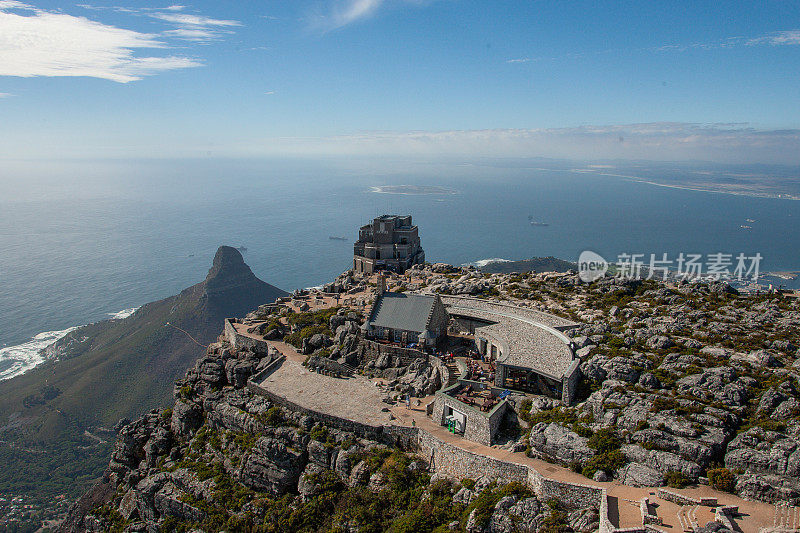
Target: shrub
point(485, 502)
point(468, 483)
point(722, 479)
point(274, 416)
point(676, 479)
point(557, 520)
point(296, 338)
point(525, 410)
point(604, 440)
point(607, 462)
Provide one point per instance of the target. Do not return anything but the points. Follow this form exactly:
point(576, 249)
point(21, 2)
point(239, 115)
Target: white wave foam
point(16, 360)
point(483, 262)
point(28, 355)
point(125, 313)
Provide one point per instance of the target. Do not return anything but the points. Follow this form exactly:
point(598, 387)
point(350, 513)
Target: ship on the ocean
point(536, 222)
point(337, 238)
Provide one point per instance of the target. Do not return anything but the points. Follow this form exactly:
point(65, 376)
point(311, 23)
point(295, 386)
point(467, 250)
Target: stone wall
point(239, 341)
point(572, 495)
point(358, 428)
point(481, 427)
point(448, 459)
point(371, 350)
point(685, 500)
point(569, 385)
point(439, 319)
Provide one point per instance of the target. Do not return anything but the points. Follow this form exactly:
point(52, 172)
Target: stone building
point(407, 318)
point(529, 349)
point(471, 409)
point(390, 242)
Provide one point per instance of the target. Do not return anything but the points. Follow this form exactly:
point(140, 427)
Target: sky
point(716, 81)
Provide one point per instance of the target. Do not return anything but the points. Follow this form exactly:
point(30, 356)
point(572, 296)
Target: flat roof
point(527, 340)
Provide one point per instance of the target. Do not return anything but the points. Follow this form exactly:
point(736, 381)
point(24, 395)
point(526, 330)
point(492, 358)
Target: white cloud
point(270, 92)
point(346, 12)
point(185, 19)
point(192, 34)
point(664, 141)
point(780, 38)
point(194, 27)
point(5, 95)
point(44, 43)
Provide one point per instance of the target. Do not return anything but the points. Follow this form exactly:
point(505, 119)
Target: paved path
point(757, 514)
point(359, 399)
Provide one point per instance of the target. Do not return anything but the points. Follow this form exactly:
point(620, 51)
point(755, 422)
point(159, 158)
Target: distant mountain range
point(55, 419)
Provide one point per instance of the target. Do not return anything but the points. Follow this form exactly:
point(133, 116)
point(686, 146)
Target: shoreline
point(25, 356)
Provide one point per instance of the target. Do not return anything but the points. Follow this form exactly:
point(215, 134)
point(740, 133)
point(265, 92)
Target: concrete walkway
point(623, 500)
point(755, 514)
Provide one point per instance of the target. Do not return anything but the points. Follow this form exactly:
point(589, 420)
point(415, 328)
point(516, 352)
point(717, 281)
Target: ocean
point(82, 241)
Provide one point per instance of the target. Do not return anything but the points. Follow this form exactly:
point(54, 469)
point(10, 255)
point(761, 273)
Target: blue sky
point(587, 80)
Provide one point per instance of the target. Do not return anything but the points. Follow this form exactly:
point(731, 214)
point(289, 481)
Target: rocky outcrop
point(558, 444)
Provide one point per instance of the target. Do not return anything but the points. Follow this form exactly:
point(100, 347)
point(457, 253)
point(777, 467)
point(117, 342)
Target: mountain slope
point(122, 368)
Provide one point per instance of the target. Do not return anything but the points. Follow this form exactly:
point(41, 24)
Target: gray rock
point(649, 381)
point(272, 466)
point(640, 475)
point(501, 521)
point(464, 496)
point(660, 342)
point(764, 358)
point(769, 488)
point(167, 502)
point(661, 461)
point(359, 475)
point(556, 443)
point(306, 486)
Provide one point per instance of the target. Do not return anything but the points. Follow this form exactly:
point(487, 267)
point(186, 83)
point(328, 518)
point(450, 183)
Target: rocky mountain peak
point(231, 286)
point(228, 262)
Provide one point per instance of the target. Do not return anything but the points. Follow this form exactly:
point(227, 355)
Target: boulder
point(272, 466)
point(557, 443)
point(640, 475)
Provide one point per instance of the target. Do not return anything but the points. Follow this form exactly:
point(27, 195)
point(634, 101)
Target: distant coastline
point(711, 188)
point(689, 186)
point(20, 358)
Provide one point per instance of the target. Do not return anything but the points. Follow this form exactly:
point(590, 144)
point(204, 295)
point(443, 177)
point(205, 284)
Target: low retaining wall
point(571, 494)
point(685, 500)
point(647, 516)
point(372, 350)
point(724, 514)
point(361, 429)
point(267, 370)
point(239, 341)
point(446, 458)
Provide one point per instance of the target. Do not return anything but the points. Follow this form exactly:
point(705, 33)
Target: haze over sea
point(83, 240)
